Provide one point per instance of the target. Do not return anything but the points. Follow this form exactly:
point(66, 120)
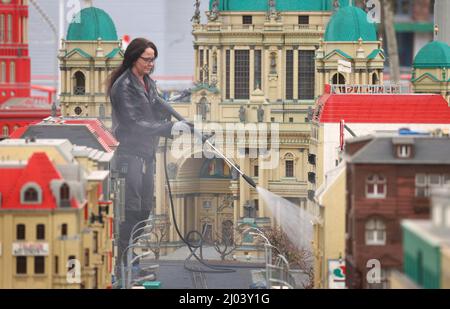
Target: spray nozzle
point(249, 180)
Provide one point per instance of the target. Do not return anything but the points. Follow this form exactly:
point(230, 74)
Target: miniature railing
point(369, 89)
point(260, 27)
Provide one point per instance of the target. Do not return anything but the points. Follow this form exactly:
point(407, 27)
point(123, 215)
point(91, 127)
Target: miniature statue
point(272, 9)
point(205, 72)
point(273, 63)
point(336, 4)
point(196, 18)
point(272, 13)
point(54, 109)
point(203, 108)
point(260, 114)
point(214, 13)
point(242, 114)
point(214, 68)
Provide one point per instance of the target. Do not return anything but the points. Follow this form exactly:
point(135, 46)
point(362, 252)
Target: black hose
point(215, 269)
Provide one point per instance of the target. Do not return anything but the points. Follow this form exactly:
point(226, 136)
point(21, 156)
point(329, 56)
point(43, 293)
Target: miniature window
point(56, 264)
point(31, 194)
point(80, 84)
point(289, 75)
point(21, 265)
point(303, 20)
point(39, 265)
point(289, 165)
point(12, 72)
point(3, 72)
point(20, 232)
point(247, 19)
point(375, 232)
point(9, 29)
point(256, 171)
point(289, 168)
point(64, 230)
point(374, 79)
point(338, 79)
point(306, 74)
point(64, 194)
point(404, 151)
point(375, 186)
point(5, 131)
point(78, 110)
point(241, 74)
point(40, 232)
point(2, 28)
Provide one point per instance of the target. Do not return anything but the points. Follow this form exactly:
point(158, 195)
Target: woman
point(138, 123)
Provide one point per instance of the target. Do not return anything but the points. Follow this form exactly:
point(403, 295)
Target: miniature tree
point(159, 229)
point(228, 241)
point(300, 258)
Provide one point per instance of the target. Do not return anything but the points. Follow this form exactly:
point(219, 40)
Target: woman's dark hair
point(136, 48)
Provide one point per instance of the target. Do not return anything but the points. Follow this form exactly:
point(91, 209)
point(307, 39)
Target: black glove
point(204, 137)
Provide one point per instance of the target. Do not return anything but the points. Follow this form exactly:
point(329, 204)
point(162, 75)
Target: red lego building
point(17, 106)
point(14, 59)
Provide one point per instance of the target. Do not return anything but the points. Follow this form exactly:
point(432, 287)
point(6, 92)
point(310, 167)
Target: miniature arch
point(31, 193)
point(79, 83)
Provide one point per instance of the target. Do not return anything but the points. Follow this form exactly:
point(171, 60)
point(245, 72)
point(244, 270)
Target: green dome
point(281, 5)
point(435, 54)
point(90, 24)
point(348, 25)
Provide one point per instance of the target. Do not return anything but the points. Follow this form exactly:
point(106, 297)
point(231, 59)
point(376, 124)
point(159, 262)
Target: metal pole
point(130, 259)
point(129, 279)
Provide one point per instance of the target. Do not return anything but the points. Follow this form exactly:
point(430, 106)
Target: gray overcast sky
point(166, 22)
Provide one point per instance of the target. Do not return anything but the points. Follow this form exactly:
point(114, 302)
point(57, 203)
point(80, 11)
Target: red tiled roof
point(382, 108)
point(39, 170)
point(19, 132)
point(103, 134)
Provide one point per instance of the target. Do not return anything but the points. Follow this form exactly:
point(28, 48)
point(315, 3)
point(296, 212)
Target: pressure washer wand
point(175, 114)
point(247, 179)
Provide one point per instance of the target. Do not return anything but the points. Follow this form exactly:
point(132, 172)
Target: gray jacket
point(138, 119)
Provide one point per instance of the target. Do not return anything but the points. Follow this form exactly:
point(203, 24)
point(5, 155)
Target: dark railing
point(80, 91)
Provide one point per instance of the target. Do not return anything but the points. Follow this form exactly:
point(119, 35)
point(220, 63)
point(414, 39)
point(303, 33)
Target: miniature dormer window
point(404, 151)
point(376, 186)
point(31, 193)
point(64, 195)
point(403, 147)
point(80, 84)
